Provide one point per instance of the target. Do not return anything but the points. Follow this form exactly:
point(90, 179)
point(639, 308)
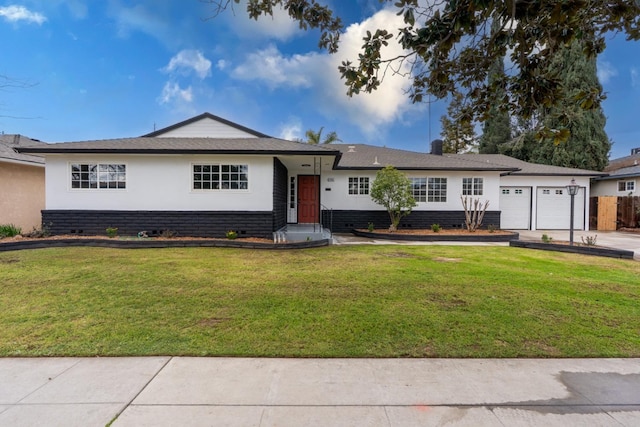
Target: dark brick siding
point(345, 221)
point(280, 189)
point(185, 223)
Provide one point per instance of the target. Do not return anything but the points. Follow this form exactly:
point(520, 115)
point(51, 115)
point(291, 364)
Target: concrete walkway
point(179, 391)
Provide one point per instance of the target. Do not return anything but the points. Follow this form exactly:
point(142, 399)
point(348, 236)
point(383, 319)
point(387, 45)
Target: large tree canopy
point(451, 48)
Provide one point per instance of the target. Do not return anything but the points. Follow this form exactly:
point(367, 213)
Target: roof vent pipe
point(436, 147)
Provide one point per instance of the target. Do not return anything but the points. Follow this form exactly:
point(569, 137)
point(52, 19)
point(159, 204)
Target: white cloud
point(150, 19)
point(190, 60)
point(291, 130)
point(15, 13)
point(222, 64)
point(606, 71)
point(172, 91)
point(276, 70)
point(319, 73)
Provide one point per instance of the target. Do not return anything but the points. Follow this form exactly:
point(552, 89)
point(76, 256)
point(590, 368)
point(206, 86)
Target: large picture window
point(359, 185)
point(419, 189)
point(472, 186)
point(98, 176)
point(220, 177)
point(437, 190)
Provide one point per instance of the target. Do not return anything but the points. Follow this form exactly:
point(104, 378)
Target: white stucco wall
point(339, 198)
point(206, 128)
point(609, 187)
point(159, 183)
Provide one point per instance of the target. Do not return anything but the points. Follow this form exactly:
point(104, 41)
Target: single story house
point(22, 183)
point(623, 177)
point(207, 175)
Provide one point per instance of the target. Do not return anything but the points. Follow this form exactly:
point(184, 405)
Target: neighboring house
point(623, 177)
point(207, 175)
point(21, 183)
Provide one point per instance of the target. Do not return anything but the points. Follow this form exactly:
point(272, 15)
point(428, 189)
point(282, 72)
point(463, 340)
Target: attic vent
point(352, 149)
point(375, 162)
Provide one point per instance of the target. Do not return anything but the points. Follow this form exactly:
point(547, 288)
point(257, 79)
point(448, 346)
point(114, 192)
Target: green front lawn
point(362, 301)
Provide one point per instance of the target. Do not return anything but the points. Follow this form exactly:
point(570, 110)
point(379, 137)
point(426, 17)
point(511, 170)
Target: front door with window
point(308, 199)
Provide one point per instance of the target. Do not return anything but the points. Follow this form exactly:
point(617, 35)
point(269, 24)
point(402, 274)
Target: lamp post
point(572, 188)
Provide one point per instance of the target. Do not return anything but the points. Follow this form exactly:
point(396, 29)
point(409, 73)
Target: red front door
point(308, 200)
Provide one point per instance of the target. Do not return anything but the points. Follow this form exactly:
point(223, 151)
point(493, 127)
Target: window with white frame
point(220, 177)
point(358, 185)
point(292, 193)
point(472, 186)
point(437, 190)
point(624, 186)
point(419, 189)
point(98, 176)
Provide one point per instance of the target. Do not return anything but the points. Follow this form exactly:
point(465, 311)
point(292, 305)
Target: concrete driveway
point(608, 239)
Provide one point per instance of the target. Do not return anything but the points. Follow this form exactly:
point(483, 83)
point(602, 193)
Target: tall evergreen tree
point(496, 129)
point(588, 145)
point(458, 132)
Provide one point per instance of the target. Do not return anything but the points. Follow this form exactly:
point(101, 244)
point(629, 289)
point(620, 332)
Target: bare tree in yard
point(450, 46)
point(474, 211)
point(392, 189)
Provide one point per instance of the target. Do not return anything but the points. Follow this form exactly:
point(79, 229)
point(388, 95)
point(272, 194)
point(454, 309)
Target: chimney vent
point(436, 147)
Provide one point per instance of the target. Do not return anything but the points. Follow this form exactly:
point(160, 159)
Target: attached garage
point(554, 209)
point(515, 208)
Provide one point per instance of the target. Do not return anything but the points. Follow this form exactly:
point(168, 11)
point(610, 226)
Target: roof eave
point(176, 151)
point(614, 177)
point(22, 162)
point(591, 174)
point(429, 168)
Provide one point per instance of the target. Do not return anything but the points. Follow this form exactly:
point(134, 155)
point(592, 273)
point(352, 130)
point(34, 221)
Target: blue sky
point(98, 69)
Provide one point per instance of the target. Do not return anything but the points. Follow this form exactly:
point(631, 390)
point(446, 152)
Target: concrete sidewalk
point(179, 391)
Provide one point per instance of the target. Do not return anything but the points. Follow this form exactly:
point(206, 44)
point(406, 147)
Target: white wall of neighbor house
point(334, 187)
point(161, 182)
point(610, 187)
point(537, 183)
point(206, 128)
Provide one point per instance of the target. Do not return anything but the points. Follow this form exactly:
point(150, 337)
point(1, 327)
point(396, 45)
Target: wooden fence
point(609, 213)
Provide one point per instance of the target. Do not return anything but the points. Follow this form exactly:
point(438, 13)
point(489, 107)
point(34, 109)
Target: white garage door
point(554, 209)
point(515, 208)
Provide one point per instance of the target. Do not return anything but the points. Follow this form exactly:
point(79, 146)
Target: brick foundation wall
point(184, 223)
point(345, 221)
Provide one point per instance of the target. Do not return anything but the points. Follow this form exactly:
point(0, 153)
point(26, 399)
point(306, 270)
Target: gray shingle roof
point(623, 162)
point(10, 143)
point(361, 156)
point(628, 172)
point(153, 145)
point(526, 168)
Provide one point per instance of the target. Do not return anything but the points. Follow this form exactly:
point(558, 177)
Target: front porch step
point(301, 233)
